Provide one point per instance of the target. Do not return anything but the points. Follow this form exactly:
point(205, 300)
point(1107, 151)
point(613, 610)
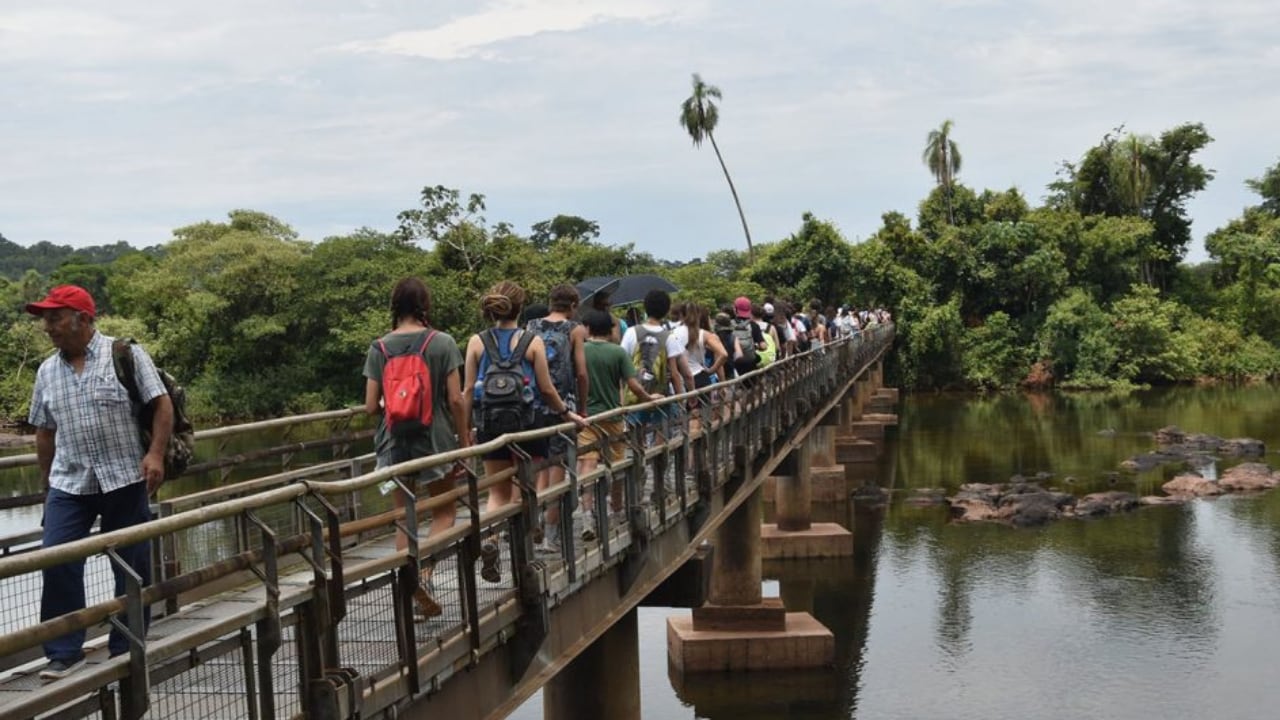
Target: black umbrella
point(623, 290)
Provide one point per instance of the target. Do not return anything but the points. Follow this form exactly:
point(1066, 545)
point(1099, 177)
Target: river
point(1169, 612)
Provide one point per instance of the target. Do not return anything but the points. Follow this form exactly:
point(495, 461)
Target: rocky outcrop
point(1019, 504)
point(1105, 503)
point(1248, 477)
point(1192, 485)
point(1173, 440)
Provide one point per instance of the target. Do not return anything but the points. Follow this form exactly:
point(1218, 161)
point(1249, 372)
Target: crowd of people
point(539, 366)
point(533, 367)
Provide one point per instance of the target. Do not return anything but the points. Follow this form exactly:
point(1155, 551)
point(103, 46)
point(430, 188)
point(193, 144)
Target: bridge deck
point(215, 686)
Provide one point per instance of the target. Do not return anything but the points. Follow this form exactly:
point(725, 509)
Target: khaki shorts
point(614, 430)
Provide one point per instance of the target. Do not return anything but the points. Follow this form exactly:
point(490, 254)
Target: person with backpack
point(657, 355)
point(609, 370)
point(504, 364)
point(412, 386)
point(93, 465)
point(564, 339)
point(769, 353)
point(749, 337)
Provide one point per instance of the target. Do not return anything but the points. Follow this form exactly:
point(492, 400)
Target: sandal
point(489, 569)
point(425, 606)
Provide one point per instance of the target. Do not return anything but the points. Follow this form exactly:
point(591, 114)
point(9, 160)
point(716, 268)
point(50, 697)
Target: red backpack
point(406, 389)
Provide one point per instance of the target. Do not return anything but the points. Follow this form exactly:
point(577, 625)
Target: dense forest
point(1088, 289)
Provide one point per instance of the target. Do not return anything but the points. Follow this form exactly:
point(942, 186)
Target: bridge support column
point(795, 535)
point(739, 629)
point(602, 682)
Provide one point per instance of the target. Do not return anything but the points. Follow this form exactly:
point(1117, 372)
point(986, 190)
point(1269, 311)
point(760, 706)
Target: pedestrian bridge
point(283, 596)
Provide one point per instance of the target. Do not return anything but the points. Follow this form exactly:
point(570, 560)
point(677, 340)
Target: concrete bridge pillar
point(739, 629)
point(602, 682)
point(794, 535)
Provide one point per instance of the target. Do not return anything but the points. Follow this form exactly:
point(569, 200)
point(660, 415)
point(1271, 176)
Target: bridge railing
point(328, 625)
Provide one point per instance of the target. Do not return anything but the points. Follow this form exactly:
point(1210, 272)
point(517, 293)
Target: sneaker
point(58, 669)
point(588, 527)
point(489, 570)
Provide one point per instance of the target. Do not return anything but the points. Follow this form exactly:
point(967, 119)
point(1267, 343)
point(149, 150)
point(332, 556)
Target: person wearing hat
point(92, 462)
point(749, 336)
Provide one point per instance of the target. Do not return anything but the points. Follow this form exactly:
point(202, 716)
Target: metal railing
point(297, 616)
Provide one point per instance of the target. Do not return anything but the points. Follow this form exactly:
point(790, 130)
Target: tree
point(699, 117)
point(1268, 186)
point(454, 227)
point(942, 157)
point(816, 262)
point(563, 227)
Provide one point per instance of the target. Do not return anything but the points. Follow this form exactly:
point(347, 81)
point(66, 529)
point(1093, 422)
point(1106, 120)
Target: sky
point(124, 120)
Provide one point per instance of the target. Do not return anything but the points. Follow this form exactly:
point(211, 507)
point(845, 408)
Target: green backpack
point(182, 442)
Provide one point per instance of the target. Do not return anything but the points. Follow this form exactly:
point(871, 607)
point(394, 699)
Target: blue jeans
point(69, 517)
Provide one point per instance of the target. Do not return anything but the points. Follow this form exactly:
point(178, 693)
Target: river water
point(1168, 612)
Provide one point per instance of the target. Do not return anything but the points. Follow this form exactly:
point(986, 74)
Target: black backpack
point(182, 441)
point(506, 398)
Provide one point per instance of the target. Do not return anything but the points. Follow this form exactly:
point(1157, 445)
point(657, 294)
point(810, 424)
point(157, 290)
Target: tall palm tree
point(943, 159)
point(699, 116)
point(1135, 175)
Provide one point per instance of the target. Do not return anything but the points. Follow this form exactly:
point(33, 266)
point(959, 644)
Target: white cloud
point(475, 34)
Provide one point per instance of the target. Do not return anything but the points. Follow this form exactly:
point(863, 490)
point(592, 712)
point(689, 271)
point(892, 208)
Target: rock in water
point(1105, 503)
point(1192, 486)
point(1249, 477)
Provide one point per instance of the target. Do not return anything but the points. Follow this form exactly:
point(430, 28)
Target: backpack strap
point(522, 347)
point(122, 360)
point(488, 339)
point(423, 349)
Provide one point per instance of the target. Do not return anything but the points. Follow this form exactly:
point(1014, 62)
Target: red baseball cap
point(742, 307)
point(65, 296)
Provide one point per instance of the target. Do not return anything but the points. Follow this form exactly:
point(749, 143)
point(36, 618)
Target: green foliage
point(1075, 338)
point(1268, 187)
point(816, 262)
point(1149, 337)
point(992, 355)
point(931, 347)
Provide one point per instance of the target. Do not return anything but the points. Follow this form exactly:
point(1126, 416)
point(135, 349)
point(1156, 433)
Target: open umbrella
point(624, 289)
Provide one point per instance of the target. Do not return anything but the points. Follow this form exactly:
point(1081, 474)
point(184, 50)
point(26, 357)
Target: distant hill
point(44, 257)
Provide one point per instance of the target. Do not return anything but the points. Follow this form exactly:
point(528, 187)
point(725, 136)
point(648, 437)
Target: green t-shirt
point(443, 358)
point(608, 366)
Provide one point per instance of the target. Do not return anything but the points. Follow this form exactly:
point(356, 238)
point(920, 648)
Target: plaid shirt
point(97, 447)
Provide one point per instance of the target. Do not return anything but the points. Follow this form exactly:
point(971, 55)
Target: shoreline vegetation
point(1086, 291)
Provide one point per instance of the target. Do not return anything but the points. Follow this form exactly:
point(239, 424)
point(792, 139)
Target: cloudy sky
point(125, 119)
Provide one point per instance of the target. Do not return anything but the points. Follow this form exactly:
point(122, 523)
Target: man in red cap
point(749, 335)
point(92, 463)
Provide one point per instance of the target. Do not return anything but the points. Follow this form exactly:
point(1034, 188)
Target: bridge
point(284, 596)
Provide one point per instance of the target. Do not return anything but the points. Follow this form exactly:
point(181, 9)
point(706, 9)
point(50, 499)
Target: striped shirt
point(97, 447)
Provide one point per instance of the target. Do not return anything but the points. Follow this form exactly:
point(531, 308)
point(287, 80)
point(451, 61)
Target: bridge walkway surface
point(285, 596)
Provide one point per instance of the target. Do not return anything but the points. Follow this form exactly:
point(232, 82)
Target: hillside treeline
point(1086, 289)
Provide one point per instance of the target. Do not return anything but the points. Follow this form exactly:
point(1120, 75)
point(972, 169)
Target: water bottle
point(526, 393)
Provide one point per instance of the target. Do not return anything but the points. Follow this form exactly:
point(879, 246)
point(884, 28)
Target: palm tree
point(943, 159)
point(1135, 176)
point(699, 116)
